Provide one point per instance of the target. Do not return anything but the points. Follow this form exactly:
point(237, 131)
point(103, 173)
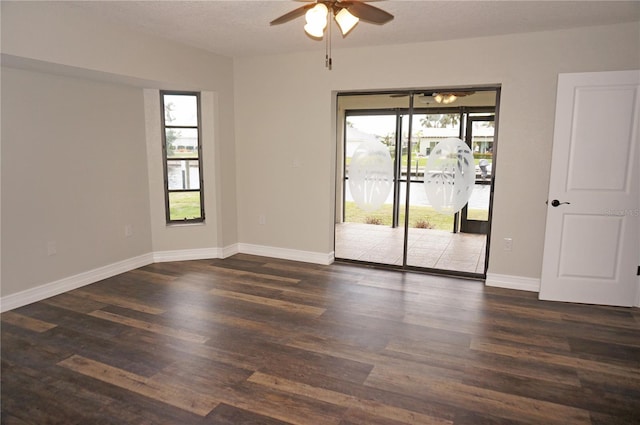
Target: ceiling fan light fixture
point(346, 21)
point(314, 30)
point(316, 18)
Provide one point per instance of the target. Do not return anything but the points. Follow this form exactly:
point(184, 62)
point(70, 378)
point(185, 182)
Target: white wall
point(60, 39)
point(74, 171)
point(298, 202)
point(92, 76)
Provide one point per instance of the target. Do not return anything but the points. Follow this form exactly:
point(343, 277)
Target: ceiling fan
point(347, 13)
point(358, 8)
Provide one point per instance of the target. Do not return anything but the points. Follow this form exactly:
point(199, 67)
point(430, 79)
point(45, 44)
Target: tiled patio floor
point(436, 249)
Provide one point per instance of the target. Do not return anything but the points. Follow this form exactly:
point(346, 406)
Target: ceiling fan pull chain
point(328, 59)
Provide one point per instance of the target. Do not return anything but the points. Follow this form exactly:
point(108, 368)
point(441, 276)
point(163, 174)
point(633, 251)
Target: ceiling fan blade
point(366, 12)
point(292, 15)
point(417, 94)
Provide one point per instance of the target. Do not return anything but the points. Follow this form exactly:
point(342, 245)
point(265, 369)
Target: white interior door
point(592, 240)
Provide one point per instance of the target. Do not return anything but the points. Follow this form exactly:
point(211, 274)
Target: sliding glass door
point(415, 181)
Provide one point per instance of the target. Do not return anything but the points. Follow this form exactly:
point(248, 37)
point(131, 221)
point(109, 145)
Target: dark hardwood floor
point(252, 340)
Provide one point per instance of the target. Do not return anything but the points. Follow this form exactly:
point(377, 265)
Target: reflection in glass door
point(407, 229)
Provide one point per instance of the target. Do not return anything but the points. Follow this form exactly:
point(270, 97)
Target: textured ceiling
point(241, 28)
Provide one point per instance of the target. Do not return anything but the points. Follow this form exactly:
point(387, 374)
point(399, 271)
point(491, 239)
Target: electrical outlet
point(52, 248)
point(262, 219)
point(128, 230)
point(508, 244)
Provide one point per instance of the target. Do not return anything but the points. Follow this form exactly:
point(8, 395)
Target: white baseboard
point(194, 254)
point(51, 289)
point(513, 282)
point(187, 254)
point(287, 254)
point(230, 250)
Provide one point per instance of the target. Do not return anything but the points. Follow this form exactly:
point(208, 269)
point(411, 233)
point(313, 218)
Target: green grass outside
point(184, 205)
point(183, 155)
point(187, 205)
point(353, 214)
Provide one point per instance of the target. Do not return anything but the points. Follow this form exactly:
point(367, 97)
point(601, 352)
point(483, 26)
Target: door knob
point(556, 203)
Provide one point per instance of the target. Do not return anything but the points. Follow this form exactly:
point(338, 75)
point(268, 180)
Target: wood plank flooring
point(253, 340)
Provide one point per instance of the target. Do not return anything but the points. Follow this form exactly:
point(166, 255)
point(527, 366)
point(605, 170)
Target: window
point(182, 154)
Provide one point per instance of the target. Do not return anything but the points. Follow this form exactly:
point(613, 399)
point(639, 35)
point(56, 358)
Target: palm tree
point(440, 120)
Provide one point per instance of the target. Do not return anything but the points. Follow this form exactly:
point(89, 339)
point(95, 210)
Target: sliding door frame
point(411, 111)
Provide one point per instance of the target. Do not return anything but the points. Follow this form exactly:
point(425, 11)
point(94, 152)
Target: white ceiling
point(241, 27)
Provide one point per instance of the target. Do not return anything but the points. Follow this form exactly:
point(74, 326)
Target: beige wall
point(74, 173)
point(67, 48)
point(60, 39)
point(291, 114)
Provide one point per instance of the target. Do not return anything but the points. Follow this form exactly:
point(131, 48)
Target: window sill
point(199, 223)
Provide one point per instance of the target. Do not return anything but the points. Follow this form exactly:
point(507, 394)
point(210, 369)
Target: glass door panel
point(433, 240)
point(370, 219)
point(474, 218)
point(427, 130)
